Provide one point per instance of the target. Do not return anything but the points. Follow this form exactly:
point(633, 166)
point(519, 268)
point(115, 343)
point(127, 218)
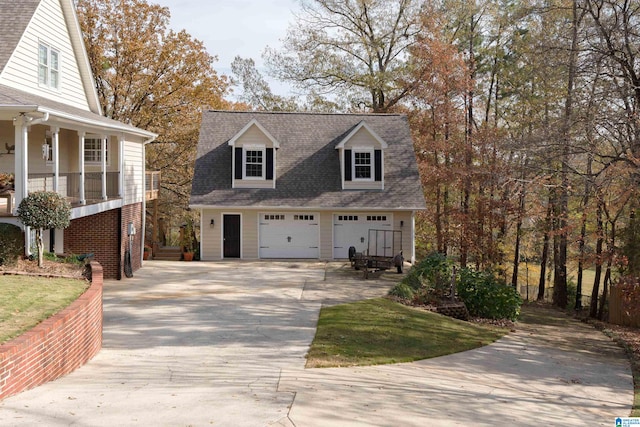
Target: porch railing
point(69, 185)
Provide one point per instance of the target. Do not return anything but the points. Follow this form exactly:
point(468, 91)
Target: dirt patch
point(49, 268)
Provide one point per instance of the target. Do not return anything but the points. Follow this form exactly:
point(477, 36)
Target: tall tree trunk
point(464, 246)
point(607, 274)
point(560, 257)
point(583, 234)
point(545, 252)
point(593, 307)
point(521, 204)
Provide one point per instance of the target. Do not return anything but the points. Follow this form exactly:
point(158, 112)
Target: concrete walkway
point(223, 344)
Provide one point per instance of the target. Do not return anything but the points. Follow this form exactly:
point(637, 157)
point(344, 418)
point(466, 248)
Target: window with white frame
point(254, 163)
point(362, 164)
point(48, 66)
point(93, 151)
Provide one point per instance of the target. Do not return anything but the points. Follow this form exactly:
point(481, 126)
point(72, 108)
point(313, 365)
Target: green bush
point(432, 273)
point(49, 256)
point(402, 290)
point(11, 244)
point(486, 296)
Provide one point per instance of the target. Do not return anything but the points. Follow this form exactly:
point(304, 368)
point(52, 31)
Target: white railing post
point(56, 158)
point(103, 165)
point(83, 201)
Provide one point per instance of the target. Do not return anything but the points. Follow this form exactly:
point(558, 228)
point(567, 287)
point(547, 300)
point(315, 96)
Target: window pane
point(362, 162)
point(253, 163)
point(93, 150)
point(54, 60)
point(42, 74)
point(363, 171)
point(54, 79)
point(43, 54)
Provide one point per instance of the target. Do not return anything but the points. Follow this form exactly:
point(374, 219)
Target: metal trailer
point(382, 252)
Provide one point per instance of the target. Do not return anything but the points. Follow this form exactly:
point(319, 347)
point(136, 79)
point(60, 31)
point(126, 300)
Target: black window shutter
point(347, 165)
point(238, 161)
point(269, 171)
point(378, 164)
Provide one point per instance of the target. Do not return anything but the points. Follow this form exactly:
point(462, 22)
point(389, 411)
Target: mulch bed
point(49, 269)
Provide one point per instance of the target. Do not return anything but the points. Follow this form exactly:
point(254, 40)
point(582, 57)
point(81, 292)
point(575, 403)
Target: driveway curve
point(223, 344)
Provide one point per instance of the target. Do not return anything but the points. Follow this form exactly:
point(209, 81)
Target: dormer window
point(254, 163)
point(361, 155)
point(48, 66)
point(362, 165)
point(254, 157)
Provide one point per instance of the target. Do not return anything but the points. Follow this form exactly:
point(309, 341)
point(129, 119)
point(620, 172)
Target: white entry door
point(353, 230)
point(289, 235)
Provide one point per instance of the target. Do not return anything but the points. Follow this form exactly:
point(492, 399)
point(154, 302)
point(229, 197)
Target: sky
point(234, 27)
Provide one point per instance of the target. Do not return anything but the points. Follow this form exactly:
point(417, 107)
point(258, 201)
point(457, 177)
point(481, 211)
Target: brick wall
point(98, 234)
point(132, 213)
point(57, 346)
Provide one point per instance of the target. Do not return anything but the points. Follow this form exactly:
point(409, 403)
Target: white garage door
point(289, 235)
point(353, 230)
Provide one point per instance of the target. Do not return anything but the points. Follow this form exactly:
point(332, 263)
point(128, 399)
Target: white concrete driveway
point(224, 343)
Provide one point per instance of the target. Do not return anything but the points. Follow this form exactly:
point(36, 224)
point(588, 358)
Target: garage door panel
point(353, 230)
point(289, 235)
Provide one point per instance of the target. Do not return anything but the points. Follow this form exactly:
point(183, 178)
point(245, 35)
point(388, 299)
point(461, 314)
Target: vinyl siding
point(362, 138)
point(21, 72)
point(133, 170)
point(211, 238)
point(326, 235)
point(250, 234)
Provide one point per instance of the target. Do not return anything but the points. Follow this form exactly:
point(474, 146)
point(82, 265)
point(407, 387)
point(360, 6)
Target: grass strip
point(381, 331)
point(25, 301)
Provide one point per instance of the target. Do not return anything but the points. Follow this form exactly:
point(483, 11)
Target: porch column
point(121, 166)
point(81, 135)
point(21, 142)
point(103, 165)
point(56, 159)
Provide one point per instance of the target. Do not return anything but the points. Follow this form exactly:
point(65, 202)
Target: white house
point(54, 137)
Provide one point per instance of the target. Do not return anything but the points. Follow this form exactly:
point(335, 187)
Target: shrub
point(486, 296)
point(11, 244)
point(402, 290)
point(44, 210)
point(432, 273)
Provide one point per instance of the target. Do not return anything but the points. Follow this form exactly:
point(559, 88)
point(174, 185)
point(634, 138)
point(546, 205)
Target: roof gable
point(249, 125)
point(54, 23)
point(362, 126)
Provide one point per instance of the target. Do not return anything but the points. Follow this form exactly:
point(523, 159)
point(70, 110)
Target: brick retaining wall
point(57, 346)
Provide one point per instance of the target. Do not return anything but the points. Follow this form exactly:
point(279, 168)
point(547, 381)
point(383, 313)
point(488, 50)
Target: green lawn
point(26, 301)
point(380, 331)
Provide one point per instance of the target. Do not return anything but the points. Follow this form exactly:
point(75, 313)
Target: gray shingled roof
point(15, 15)
point(307, 164)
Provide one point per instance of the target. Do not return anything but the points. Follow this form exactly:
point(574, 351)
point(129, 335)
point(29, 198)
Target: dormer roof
point(249, 125)
point(365, 126)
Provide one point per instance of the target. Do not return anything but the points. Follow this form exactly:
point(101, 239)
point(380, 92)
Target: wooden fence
point(624, 302)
